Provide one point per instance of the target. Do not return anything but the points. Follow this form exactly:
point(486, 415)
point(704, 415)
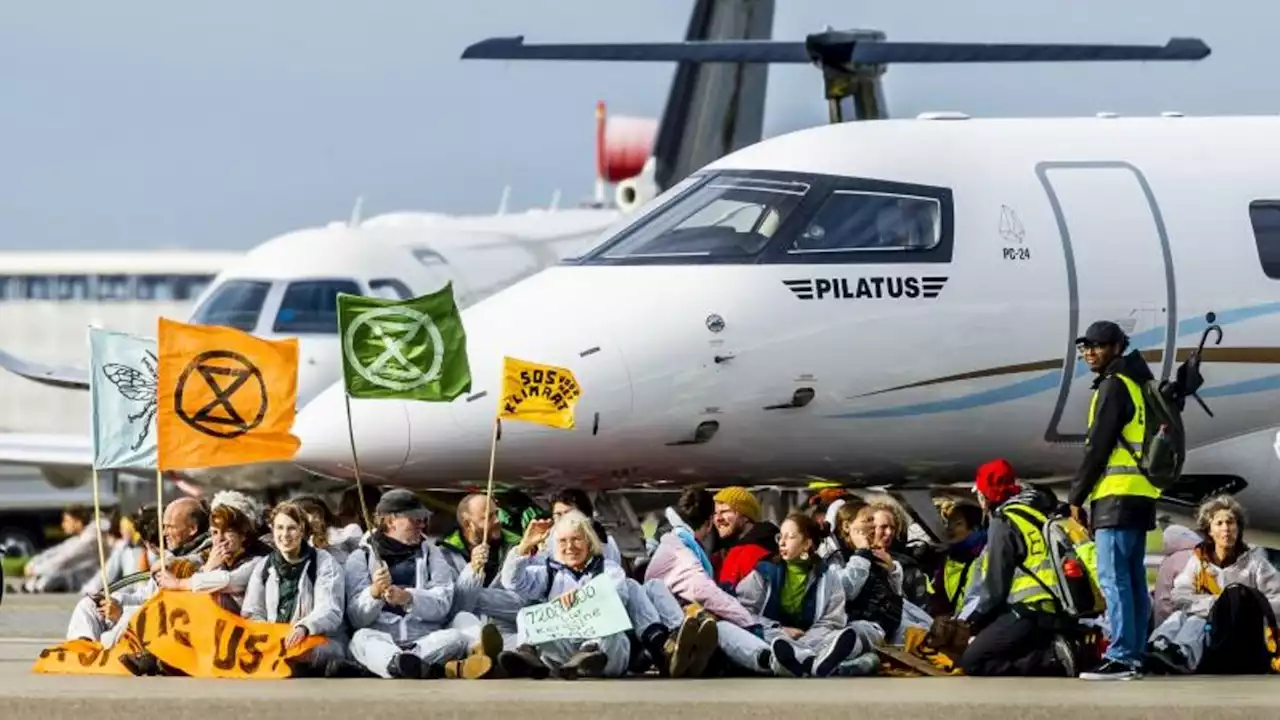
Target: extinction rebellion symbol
point(395, 331)
point(226, 374)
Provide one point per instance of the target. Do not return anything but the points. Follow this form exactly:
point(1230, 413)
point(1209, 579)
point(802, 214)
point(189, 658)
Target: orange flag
point(225, 397)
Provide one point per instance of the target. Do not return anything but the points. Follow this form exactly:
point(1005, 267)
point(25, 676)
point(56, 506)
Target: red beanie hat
point(996, 482)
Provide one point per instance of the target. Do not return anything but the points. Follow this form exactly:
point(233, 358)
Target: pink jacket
point(1179, 541)
point(677, 567)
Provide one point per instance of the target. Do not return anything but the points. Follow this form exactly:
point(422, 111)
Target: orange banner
point(191, 632)
point(82, 657)
point(225, 397)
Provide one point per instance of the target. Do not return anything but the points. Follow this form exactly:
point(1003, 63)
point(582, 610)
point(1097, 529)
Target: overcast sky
point(152, 123)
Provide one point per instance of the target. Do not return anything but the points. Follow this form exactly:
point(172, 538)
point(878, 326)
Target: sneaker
point(1110, 670)
point(589, 662)
point(473, 667)
point(405, 666)
point(1065, 654)
point(868, 663)
point(1165, 661)
point(141, 664)
point(705, 647)
point(836, 652)
point(783, 661)
point(343, 668)
point(523, 662)
point(679, 649)
point(490, 644)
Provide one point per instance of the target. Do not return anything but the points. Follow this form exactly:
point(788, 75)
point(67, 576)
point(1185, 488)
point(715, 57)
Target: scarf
point(794, 584)
point(1205, 582)
point(288, 578)
point(392, 551)
point(191, 546)
point(685, 536)
point(968, 548)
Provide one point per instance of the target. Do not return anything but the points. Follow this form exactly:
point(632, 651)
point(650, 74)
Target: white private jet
point(886, 302)
point(889, 301)
point(286, 287)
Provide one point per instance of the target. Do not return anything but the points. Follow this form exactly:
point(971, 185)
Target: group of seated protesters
point(721, 591)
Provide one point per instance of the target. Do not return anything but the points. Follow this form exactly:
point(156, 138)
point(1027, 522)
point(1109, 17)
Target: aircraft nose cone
point(380, 429)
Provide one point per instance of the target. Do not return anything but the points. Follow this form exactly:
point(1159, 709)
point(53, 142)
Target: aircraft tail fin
point(713, 107)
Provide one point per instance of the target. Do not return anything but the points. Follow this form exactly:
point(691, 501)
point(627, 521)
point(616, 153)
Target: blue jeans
point(1122, 573)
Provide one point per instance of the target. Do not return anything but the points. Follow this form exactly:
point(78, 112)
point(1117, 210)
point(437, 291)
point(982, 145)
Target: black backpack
point(1164, 445)
point(1242, 634)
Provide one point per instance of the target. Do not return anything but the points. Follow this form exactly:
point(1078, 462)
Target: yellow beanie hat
point(742, 501)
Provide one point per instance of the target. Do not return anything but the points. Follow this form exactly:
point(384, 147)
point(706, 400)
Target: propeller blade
point(735, 51)
point(876, 53)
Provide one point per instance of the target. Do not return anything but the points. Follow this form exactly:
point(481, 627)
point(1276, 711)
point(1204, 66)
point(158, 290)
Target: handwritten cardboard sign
point(594, 610)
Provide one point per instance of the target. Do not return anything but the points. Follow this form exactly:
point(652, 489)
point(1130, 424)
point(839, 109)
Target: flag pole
point(97, 501)
point(488, 493)
point(97, 524)
point(351, 434)
point(160, 512)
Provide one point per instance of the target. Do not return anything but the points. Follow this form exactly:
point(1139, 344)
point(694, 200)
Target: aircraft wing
point(46, 449)
point(57, 376)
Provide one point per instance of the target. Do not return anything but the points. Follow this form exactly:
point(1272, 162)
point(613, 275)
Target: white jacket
point(432, 605)
point(319, 609)
point(1251, 569)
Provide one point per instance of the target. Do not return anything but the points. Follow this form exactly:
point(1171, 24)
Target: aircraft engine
point(624, 147)
point(65, 477)
point(636, 191)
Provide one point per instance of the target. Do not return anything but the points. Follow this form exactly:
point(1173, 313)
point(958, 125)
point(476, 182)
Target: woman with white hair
point(1222, 600)
point(576, 558)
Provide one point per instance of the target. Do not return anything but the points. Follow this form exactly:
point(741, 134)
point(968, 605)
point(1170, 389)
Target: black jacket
point(1005, 551)
point(876, 602)
point(1114, 411)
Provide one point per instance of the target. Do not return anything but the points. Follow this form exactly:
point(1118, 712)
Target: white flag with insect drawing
point(122, 392)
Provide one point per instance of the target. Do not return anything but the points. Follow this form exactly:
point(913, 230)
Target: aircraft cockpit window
point(865, 221)
point(390, 289)
point(726, 217)
point(429, 257)
point(235, 304)
point(311, 306)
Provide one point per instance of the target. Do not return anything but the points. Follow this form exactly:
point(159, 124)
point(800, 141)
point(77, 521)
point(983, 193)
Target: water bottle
point(1157, 453)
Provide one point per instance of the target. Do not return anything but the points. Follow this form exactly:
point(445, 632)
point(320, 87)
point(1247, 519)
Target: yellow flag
point(542, 394)
point(225, 397)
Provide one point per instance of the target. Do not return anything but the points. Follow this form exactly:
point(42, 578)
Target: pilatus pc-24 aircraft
point(887, 302)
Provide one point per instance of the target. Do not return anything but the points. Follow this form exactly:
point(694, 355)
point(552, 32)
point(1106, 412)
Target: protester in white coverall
point(69, 564)
point(578, 558)
point(478, 565)
point(104, 619)
point(284, 587)
point(400, 595)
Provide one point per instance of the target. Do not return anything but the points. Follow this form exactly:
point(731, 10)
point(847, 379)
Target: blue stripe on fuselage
point(1050, 380)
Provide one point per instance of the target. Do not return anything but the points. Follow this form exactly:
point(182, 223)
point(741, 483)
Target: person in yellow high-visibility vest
point(1122, 500)
point(1016, 616)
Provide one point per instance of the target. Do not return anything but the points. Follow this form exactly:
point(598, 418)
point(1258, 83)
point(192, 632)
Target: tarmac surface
point(29, 623)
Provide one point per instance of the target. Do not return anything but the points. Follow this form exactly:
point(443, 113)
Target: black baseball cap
point(1101, 333)
point(400, 502)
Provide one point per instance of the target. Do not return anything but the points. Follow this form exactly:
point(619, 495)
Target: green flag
point(411, 349)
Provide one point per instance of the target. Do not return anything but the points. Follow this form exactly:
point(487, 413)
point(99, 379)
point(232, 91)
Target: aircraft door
point(1118, 267)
